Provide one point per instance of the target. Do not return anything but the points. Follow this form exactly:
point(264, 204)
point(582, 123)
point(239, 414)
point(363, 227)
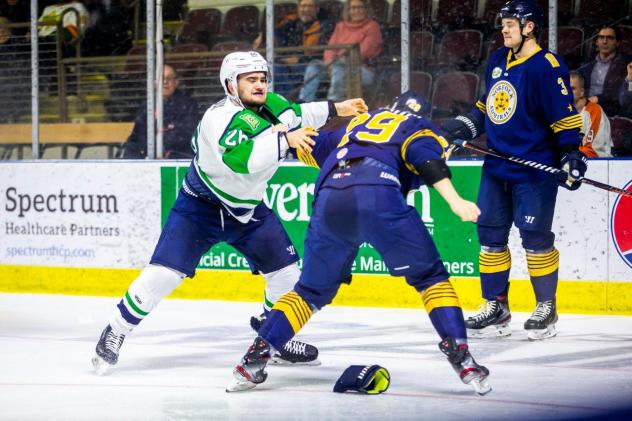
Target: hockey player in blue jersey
point(526, 112)
point(367, 169)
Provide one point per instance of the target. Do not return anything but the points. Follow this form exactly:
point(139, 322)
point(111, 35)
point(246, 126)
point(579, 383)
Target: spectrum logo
point(621, 226)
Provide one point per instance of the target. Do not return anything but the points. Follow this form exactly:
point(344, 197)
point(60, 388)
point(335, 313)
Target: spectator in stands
point(357, 27)
point(303, 29)
point(108, 32)
point(603, 76)
point(597, 141)
point(625, 94)
point(17, 11)
point(180, 118)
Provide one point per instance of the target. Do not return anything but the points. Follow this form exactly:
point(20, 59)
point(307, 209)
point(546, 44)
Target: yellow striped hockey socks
point(287, 317)
point(444, 310)
point(543, 270)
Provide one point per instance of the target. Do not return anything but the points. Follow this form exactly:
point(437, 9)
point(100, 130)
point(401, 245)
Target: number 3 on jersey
point(378, 128)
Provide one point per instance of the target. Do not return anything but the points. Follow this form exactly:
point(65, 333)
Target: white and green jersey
point(237, 152)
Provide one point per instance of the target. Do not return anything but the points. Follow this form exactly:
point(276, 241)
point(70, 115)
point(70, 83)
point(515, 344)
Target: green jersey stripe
point(221, 193)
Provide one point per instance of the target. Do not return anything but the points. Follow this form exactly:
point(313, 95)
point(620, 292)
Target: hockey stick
point(537, 165)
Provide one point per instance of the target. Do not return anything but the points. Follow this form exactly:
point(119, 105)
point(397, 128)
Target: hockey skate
point(492, 320)
point(541, 324)
point(464, 365)
point(107, 350)
point(293, 353)
point(251, 370)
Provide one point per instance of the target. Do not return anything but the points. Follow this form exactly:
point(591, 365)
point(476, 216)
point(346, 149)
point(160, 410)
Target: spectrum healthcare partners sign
point(290, 194)
point(109, 214)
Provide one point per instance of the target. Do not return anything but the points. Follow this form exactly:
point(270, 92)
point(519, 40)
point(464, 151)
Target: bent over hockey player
point(238, 144)
point(361, 197)
point(528, 113)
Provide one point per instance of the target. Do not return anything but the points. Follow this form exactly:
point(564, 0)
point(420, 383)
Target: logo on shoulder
point(501, 102)
point(496, 72)
point(342, 153)
point(621, 226)
point(251, 120)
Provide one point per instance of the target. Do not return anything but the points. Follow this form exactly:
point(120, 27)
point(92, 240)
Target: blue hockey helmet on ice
point(413, 103)
point(523, 11)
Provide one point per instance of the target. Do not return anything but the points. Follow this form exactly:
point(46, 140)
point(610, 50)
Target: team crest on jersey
point(621, 226)
point(251, 120)
point(501, 102)
point(496, 72)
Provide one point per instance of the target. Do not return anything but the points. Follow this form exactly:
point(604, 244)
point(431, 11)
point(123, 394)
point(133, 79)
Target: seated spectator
point(180, 118)
point(603, 76)
point(108, 32)
point(17, 11)
point(625, 94)
point(301, 30)
point(597, 141)
point(357, 27)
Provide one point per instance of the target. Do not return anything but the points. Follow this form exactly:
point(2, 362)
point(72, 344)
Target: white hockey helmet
point(238, 63)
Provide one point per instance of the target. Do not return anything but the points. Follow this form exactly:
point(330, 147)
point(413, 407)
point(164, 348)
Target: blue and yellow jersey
point(395, 138)
point(529, 111)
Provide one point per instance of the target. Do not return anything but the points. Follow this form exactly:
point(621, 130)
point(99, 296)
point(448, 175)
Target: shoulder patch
point(551, 58)
point(251, 120)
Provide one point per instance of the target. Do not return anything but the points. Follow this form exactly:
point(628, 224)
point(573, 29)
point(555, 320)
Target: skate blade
point(541, 334)
point(481, 386)
point(101, 367)
point(494, 331)
point(237, 385)
point(277, 360)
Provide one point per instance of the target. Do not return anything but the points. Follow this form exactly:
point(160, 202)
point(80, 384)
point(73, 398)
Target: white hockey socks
point(278, 283)
point(151, 286)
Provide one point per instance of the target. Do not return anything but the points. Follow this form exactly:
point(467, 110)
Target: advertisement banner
point(108, 214)
point(66, 214)
point(291, 191)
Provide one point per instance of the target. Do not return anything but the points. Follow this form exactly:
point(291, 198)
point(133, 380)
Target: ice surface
point(176, 365)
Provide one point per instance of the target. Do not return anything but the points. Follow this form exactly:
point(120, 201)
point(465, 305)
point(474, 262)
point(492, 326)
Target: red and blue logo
point(621, 226)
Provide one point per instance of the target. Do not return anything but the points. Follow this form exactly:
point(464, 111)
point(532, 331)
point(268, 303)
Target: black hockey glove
point(574, 165)
point(461, 127)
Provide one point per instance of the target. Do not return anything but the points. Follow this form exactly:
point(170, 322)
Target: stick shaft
point(537, 165)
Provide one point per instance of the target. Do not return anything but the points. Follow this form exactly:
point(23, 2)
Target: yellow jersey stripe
point(567, 123)
point(481, 106)
point(416, 135)
point(307, 159)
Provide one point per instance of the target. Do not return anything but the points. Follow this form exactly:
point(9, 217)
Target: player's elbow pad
point(433, 171)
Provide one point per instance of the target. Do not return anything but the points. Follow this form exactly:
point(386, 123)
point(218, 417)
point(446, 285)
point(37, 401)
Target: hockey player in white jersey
point(238, 144)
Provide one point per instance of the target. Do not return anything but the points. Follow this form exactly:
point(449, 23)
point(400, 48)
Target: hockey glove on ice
point(367, 379)
point(574, 165)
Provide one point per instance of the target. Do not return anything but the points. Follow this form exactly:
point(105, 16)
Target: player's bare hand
point(280, 128)
point(301, 140)
point(351, 107)
point(466, 210)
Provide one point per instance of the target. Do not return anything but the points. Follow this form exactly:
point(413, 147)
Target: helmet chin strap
point(523, 38)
